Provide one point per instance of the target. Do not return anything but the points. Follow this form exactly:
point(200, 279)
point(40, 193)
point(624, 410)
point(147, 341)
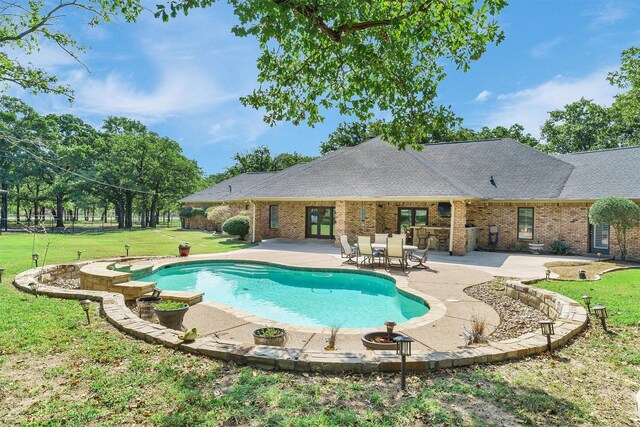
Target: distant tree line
point(57, 163)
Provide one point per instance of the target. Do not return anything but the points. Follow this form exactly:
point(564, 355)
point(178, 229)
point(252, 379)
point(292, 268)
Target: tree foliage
point(354, 133)
point(620, 213)
point(360, 57)
point(259, 159)
point(218, 215)
point(24, 25)
point(628, 78)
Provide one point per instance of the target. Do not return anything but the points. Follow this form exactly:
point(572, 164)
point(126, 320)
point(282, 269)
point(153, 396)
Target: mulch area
point(516, 318)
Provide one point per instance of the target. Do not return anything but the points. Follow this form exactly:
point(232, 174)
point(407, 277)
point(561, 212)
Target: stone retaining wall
point(569, 316)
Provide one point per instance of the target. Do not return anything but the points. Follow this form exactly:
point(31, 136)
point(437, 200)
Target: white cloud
point(483, 96)
point(608, 13)
point(177, 90)
point(243, 128)
point(530, 106)
point(543, 49)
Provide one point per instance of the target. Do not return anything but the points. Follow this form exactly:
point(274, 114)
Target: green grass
point(618, 291)
point(57, 371)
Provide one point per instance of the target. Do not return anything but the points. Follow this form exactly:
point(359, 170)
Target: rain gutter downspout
point(253, 226)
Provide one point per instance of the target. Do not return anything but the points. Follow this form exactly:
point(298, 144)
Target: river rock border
point(569, 316)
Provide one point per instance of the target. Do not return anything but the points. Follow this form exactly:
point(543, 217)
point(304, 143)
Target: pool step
point(189, 297)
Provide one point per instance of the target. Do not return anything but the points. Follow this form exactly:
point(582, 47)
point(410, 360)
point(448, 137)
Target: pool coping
point(569, 316)
point(437, 308)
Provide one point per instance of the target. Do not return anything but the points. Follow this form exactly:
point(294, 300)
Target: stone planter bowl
point(372, 345)
point(277, 340)
point(172, 319)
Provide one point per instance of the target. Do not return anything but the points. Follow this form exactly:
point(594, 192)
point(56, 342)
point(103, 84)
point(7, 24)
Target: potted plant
point(184, 248)
point(270, 336)
point(170, 313)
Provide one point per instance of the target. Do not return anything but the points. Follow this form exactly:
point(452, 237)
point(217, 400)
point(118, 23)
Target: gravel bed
point(65, 283)
point(516, 318)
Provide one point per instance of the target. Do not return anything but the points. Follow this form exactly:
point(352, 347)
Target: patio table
point(379, 246)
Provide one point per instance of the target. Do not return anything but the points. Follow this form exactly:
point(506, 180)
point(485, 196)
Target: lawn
point(55, 370)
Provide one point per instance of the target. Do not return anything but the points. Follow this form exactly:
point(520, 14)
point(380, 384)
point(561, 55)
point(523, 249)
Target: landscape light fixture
point(79, 253)
point(547, 273)
point(34, 288)
point(587, 302)
point(35, 258)
point(601, 313)
point(86, 304)
point(390, 324)
point(1, 273)
point(582, 274)
point(599, 256)
point(126, 248)
point(547, 330)
point(403, 348)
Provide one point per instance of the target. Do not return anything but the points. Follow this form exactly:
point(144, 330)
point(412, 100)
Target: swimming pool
point(305, 297)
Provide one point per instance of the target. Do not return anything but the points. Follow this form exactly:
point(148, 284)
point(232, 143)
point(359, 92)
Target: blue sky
point(183, 78)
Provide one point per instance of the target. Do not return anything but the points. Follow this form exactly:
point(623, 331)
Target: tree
point(360, 57)
point(349, 134)
point(286, 160)
point(259, 160)
point(620, 213)
point(23, 25)
point(579, 126)
point(628, 77)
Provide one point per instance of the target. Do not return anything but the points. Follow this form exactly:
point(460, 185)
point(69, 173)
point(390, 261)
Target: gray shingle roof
point(375, 169)
point(220, 192)
point(614, 172)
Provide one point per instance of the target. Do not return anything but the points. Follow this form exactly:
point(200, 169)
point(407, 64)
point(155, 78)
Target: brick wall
point(567, 221)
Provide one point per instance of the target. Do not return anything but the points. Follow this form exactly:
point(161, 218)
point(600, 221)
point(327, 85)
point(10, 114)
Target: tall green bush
point(620, 213)
point(237, 226)
point(218, 215)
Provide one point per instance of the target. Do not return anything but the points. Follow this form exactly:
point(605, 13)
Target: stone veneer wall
point(567, 221)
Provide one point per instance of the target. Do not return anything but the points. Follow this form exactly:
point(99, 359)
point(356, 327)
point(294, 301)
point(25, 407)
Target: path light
point(85, 304)
point(547, 273)
point(403, 348)
point(34, 288)
point(79, 253)
point(1, 273)
point(601, 313)
point(582, 274)
point(390, 325)
point(126, 248)
point(587, 302)
point(547, 330)
point(35, 258)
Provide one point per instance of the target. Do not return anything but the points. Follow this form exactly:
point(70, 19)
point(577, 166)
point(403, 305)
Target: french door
point(599, 239)
point(320, 222)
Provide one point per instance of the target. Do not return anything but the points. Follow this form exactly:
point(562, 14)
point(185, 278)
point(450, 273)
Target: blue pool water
point(298, 297)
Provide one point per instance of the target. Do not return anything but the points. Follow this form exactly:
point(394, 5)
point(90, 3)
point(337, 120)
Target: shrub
point(188, 212)
point(618, 212)
point(237, 226)
point(558, 247)
point(170, 305)
point(475, 334)
point(218, 215)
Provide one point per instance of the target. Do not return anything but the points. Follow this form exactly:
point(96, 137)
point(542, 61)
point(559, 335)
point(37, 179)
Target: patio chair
point(400, 236)
point(347, 251)
point(395, 250)
point(420, 258)
point(380, 238)
point(366, 251)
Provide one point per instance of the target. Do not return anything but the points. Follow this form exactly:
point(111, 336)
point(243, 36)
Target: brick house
point(456, 190)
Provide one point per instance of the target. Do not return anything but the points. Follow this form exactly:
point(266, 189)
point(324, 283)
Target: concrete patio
point(445, 282)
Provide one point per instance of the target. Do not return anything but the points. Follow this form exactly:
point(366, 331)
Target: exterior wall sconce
point(587, 302)
point(126, 248)
point(363, 214)
point(79, 253)
point(403, 348)
point(601, 313)
point(547, 330)
point(86, 304)
point(34, 288)
point(35, 258)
